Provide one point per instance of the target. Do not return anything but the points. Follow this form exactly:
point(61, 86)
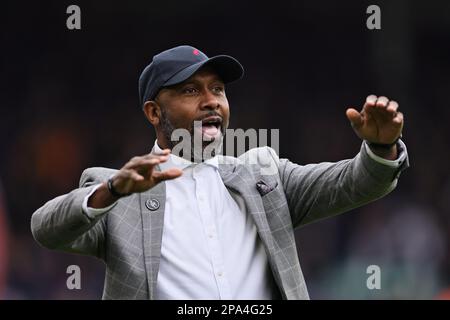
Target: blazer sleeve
point(317, 191)
point(61, 224)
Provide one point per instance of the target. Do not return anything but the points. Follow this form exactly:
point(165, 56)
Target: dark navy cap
point(178, 64)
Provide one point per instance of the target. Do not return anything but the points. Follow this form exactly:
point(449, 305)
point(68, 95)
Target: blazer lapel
point(152, 205)
point(238, 179)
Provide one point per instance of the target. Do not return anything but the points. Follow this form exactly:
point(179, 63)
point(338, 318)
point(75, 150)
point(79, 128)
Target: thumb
point(354, 117)
point(167, 174)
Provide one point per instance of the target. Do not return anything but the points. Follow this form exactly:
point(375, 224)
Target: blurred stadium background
point(69, 101)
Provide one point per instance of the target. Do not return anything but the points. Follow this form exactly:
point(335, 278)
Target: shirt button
point(201, 198)
point(210, 235)
point(220, 273)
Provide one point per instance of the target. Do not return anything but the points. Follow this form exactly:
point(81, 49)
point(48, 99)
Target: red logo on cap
point(196, 52)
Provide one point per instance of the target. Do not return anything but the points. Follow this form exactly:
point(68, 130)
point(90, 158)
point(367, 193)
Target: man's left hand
point(378, 122)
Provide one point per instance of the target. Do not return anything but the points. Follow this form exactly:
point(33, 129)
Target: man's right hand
point(137, 175)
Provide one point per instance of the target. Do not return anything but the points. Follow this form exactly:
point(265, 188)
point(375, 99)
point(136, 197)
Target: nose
point(209, 101)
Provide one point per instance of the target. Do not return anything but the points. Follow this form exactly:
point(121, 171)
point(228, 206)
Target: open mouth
point(211, 127)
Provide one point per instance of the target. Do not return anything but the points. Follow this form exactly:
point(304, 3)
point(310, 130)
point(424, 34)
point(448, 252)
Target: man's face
point(199, 98)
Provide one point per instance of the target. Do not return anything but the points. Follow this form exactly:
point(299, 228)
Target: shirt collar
point(179, 162)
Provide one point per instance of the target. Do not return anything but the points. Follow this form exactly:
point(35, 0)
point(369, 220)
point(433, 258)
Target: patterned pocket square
point(263, 188)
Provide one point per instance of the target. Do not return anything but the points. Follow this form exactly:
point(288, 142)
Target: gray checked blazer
point(279, 195)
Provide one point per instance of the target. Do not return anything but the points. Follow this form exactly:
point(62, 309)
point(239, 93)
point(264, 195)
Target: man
point(212, 227)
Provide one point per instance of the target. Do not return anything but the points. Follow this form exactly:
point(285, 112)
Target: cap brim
point(227, 68)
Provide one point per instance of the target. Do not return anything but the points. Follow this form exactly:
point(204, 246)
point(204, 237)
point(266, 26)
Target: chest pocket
point(275, 204)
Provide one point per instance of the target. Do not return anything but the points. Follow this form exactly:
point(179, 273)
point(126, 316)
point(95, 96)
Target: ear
point(152, 111)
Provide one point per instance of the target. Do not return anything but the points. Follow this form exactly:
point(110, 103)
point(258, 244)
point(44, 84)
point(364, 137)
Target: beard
point(197, 148)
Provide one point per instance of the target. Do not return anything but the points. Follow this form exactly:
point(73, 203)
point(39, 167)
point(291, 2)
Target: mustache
point(209, 114)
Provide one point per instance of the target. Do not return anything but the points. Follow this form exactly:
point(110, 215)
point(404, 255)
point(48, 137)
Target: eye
point(189, 90)
point(219, 89)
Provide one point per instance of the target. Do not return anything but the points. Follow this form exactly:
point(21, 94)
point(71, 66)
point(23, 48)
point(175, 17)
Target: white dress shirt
point(210, 246)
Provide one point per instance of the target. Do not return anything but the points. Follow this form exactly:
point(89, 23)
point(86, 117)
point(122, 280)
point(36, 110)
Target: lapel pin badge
point(152, 204)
